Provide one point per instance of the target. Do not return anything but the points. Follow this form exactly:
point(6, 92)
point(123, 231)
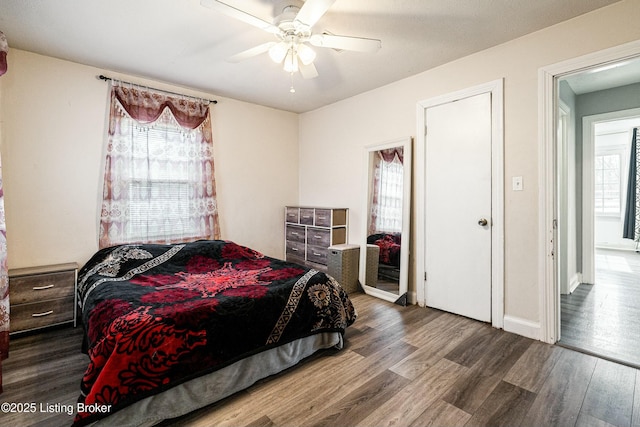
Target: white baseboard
point(575, 282)
point(412, 298)
point(523, 327)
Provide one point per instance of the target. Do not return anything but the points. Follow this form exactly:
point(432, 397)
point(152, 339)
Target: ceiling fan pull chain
point(292, 89)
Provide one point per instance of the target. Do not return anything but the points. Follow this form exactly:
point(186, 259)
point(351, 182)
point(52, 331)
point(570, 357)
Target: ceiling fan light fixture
point(278, 52)
point(306, 54)
point(291, 62)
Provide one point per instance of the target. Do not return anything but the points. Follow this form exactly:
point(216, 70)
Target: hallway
point(604, 319)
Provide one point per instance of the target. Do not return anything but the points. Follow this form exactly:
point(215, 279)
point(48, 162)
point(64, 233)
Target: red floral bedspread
point(158, 315)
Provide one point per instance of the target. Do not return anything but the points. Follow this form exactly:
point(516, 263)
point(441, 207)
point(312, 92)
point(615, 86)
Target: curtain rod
point(211, 101)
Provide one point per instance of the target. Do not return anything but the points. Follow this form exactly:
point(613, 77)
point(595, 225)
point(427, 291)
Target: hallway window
point(608, 185)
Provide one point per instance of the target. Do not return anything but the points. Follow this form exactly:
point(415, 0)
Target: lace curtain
point(386, 206)
point(4, 277)
point(159, 184)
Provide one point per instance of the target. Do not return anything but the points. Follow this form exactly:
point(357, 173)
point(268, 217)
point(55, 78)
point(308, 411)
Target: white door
point(458, 207)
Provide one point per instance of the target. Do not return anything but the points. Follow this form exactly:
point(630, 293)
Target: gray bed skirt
point(210, 388)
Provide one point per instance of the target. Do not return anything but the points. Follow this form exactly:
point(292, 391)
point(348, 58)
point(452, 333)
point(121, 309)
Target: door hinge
point(425, 276)
point(555, 224)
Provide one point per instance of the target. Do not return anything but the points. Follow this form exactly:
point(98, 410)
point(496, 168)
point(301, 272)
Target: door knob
point(483, 222)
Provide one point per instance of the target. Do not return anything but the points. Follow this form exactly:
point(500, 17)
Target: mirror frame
point(401, 297)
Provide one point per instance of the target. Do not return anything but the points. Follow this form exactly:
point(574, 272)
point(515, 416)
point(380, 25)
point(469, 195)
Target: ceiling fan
point(292, 28)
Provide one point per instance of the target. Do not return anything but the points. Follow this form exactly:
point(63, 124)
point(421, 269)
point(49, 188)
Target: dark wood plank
point(602, 318)
point(533, 368)
point(469, 393)
point(506, 406)
point(559, 401)
point(361, 402)
point(474, 348)
point(610, 393)
point(441, 414)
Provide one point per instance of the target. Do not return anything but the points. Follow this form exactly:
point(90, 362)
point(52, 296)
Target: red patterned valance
point(145, 106)
point(390, 153)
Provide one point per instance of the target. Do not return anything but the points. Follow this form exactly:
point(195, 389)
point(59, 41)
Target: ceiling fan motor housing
point(285, 20)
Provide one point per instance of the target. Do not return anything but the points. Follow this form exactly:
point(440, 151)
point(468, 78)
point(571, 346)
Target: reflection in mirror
point(384, 257)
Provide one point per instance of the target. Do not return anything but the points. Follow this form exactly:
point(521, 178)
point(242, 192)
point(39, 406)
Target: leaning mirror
point(384, 256)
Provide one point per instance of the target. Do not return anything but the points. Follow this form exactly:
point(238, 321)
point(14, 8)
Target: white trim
point(588, 184)
point(406, 143)
point(523, 327)
point(496, 88)
point(588, 202)
point(575, 282)
point(547, 280)
point(564, 221)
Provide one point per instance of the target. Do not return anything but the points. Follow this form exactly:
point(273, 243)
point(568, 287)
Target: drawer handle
point(46, 313)
point(322, 217)
point(317, 237)
point(317, 254)
point(295, 233)
point(294, 249)
point(41, 288)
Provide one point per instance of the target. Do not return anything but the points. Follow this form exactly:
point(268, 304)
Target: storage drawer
point(40, 287)
point(40, 314)
point(319, 237)
point(296, 233)
point(317, 254)
point(293, 215)
point(323, 217)
point(306, 216)
point(295, 249)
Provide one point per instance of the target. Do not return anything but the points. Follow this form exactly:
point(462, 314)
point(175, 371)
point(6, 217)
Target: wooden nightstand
point(42, 296)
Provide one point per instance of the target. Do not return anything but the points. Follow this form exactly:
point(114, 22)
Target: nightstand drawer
point(319, 237)
point(42, 296)
point(41, 287)
point(296, 234)
point(306, 216)
point(40, 314)
point(293, 215)
point(323, 218)
point(296, 249)
point(317, 254)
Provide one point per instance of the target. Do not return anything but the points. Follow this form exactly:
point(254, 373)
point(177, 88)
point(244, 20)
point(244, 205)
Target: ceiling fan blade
point(240, 15)
point(250, 53)
point(312, 11)
point(356, 44)
point(308, 71)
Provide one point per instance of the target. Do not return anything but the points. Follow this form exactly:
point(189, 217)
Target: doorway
point(460, 175)
point(553, 252)
point(601, 314)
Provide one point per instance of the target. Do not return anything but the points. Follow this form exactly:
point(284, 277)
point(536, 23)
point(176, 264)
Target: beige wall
point(51, 137)
point(51, 132)
point(332, 138)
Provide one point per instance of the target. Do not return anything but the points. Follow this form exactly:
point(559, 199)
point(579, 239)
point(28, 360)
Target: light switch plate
point(517, 183)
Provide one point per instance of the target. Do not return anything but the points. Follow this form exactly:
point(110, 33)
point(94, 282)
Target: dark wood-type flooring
point(402, 366)
point(604, 318)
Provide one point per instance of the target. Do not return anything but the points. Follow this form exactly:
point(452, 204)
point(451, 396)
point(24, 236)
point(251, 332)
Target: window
point(390, 197)
point(608, 183)
point(386, 204)
point(159, 184)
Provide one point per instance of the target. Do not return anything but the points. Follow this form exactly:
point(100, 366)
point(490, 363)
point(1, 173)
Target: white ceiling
point(182, 43)
point(606, 76)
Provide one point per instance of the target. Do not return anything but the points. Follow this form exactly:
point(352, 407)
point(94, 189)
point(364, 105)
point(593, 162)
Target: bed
point(389, 258)
point(172, 328)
